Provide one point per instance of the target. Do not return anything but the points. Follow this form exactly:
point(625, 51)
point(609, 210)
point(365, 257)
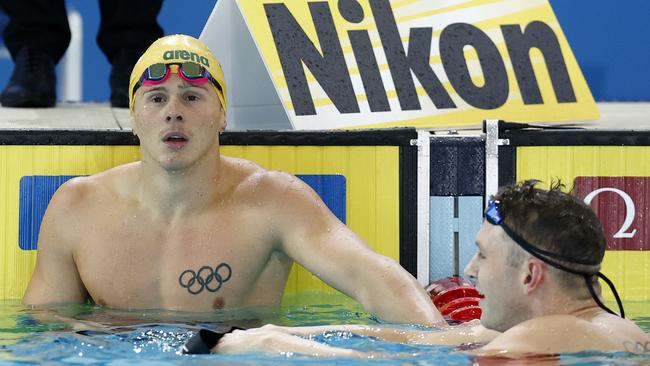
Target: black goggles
point(493, 216)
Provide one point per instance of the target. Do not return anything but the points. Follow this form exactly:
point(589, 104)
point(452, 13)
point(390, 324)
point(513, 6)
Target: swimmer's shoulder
point(251, 177)
point(555, 334)
point(239, 167)
point(272, 191)
point(81, 192)
point(624, 329)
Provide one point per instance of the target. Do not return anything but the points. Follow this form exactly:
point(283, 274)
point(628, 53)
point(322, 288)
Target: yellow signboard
point(423, 63)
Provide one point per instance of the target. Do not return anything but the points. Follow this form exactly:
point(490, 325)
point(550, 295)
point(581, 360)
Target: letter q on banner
point(621, 204)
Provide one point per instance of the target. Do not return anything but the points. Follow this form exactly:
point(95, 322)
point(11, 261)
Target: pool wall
point(413, 195)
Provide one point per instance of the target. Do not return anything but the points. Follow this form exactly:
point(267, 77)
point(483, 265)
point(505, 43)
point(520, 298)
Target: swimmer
point(537, 264)
point(187, 228)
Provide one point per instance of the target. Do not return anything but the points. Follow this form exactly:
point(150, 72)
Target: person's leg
point(37, 24)
point(36, 36)
point(127, 29)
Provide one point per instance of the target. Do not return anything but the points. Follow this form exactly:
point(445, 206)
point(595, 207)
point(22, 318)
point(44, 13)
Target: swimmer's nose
point(470, 269)
point(174, 110)
point(174, 116)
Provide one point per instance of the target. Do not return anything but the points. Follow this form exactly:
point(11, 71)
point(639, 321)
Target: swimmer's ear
point(534, 274)
point(223, 122)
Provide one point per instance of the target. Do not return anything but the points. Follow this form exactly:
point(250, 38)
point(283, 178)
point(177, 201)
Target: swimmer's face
point(503, 305)
point(178, 123)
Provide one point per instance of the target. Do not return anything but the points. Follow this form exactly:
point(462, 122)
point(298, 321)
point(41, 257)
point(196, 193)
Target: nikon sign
point(382, 63)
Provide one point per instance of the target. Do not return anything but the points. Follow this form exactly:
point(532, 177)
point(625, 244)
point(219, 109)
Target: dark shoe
point(121, 68)
point(32, 83)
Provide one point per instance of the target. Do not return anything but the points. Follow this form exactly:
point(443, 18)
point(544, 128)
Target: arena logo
point(622, 205)
point(328, 65)
point(185, 55)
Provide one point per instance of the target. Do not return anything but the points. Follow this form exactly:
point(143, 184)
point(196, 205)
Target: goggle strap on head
point(597, 299)
point(537, 253)
point(493, 215)
point(541, 252)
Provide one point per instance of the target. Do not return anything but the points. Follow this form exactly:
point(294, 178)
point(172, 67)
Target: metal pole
point(72, 62)
point(424, 167)
point(491, 158)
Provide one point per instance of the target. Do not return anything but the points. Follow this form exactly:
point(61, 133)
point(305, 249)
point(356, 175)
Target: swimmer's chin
point(175, 166)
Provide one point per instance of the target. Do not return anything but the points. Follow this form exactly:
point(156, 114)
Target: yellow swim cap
point(178, 48)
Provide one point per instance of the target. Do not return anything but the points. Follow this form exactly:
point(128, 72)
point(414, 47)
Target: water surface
point(154, 337)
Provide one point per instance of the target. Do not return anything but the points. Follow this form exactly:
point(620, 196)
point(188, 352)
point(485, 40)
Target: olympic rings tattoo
point(206, 278)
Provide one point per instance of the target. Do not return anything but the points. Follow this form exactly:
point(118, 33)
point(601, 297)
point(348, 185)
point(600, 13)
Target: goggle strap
point(611, 287)
point(531, 248)
point(538, 253)
point(493, 216)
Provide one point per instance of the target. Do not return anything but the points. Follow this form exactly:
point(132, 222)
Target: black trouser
point(43, 25)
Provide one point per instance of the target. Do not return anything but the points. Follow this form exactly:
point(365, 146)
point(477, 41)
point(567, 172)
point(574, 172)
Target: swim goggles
point(191, 72)
point(493, 216)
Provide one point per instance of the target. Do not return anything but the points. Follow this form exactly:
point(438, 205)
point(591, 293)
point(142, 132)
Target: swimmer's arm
point(470, 332)
point(49, 316)
point(255, 340)
point(312, 236)
point(55, 278)
point(385, 333)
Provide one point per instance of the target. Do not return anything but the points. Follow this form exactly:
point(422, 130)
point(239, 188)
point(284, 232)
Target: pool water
point(154, 337)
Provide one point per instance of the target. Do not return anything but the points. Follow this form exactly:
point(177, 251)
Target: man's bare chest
point(199, 264)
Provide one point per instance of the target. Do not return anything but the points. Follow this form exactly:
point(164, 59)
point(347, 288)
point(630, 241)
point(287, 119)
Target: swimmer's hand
point(273, 341)
point(82, 325)
point(48, 316)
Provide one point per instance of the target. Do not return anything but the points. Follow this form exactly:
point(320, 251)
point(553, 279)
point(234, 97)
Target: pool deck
point(67, 116)
point(100, 116)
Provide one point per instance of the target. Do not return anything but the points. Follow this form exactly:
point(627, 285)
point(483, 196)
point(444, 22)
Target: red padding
point(458, 303)
point(448, 295)
point(466, 314)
